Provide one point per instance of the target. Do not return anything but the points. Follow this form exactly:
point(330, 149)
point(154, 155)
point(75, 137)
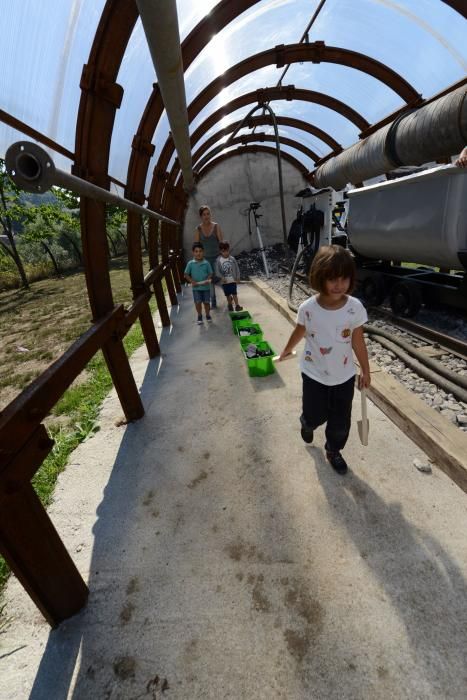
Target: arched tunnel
point(160, 109)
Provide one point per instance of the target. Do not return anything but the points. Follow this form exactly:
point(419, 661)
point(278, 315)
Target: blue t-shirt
point(199, 270)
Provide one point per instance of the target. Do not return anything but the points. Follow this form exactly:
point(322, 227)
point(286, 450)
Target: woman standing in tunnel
point(209, 233)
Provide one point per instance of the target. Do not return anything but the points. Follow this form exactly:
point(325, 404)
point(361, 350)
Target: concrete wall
point(228, 190)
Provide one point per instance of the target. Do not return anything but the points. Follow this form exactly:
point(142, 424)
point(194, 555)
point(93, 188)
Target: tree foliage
point(12, 210)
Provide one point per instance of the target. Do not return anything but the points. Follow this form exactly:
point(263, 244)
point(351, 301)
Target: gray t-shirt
point(227, 269)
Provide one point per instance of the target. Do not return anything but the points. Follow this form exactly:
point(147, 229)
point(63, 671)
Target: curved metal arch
point(295, 124)
point(254, 149)
point(260, 121)
point(316, 52)
point(458, 5)
point(261, 137)
point(288, 93)
point(271, 94)
point(100, 98)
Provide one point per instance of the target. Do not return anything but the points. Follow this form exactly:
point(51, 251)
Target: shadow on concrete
point(59, 661)
point(271, 381)
point(422, 583)
point(80, 650)
point(159, 599)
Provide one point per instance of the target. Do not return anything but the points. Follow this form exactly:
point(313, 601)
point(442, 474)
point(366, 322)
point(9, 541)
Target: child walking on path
point(198, 273)
point(229, 273)
point(331, 322)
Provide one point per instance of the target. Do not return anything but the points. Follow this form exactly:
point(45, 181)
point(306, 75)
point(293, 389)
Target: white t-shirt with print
point(328, 356)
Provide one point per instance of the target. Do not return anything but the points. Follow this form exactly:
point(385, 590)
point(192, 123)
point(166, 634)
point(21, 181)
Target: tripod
point(254, 206)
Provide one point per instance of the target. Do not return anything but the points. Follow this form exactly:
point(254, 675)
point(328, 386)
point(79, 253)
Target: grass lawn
point(36, 326)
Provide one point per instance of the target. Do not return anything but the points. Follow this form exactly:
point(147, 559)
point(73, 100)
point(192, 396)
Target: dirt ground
point(38, 324)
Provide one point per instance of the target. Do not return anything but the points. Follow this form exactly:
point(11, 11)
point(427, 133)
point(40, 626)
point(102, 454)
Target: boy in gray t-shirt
point(229, 273)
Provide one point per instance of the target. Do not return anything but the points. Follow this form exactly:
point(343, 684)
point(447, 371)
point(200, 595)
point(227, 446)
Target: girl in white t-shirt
point(331, 322)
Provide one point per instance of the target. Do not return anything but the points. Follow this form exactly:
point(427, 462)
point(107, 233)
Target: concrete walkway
point(225, 559)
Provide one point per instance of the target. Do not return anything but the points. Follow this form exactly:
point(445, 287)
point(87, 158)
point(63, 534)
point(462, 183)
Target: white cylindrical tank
point(421, 218)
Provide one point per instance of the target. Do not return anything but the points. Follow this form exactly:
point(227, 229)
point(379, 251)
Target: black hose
point(423, 371)
point(458, 379)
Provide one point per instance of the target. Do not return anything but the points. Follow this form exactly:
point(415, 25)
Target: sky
point(45, 45)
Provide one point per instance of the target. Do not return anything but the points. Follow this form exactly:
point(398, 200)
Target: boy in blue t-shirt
point(199, 273)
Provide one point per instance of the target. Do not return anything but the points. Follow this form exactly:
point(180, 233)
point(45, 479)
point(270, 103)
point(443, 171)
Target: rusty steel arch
point(288, 93)
point(316, 52)
point(261, 121)
point(161, 176)
point(459, 6)
point(254, 149)
point(262, 138)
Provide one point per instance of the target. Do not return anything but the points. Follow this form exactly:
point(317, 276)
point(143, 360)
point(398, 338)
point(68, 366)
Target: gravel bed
point(452, 324)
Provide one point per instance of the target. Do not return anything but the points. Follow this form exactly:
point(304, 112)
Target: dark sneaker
point(337, 462)
point(209, 319)
point(238, 308)
point(230, 307)
point(306, 432)
point(213, 304)
point(200, 320)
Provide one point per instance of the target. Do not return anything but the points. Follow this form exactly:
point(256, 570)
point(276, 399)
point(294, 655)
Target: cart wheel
point(373, 290)
point(405, 299)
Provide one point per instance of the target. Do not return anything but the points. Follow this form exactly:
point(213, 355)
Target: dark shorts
point(230, 288)
point(201, 296)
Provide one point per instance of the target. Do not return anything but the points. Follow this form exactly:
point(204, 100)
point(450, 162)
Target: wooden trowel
point(363, 425)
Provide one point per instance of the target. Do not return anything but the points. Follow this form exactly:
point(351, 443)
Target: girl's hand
point(461, 162)
point(284, 355)
point(364, 380)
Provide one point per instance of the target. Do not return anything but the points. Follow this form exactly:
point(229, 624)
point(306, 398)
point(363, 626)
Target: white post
point(261, 247)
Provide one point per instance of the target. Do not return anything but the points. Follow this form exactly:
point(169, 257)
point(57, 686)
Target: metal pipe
point(434, 131)
point(32, 169)
point(304, 37)
point(258, 233)
point(163, 37)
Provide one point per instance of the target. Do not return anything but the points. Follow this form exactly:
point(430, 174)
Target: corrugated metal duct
point(437, 130)
point(163, 36)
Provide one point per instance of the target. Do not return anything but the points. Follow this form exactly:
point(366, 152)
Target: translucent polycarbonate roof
point(45, 45)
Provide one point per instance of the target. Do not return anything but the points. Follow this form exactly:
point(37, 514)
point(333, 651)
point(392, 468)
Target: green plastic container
point(243, 317)
point(260, 366)
point(255, 336)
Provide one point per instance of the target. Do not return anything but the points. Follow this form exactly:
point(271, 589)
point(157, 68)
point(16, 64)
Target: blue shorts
point(230, 288)
point(201, 296)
